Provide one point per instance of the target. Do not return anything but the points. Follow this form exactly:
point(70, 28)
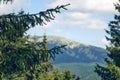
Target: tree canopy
point(19, 56)
point(111, 70)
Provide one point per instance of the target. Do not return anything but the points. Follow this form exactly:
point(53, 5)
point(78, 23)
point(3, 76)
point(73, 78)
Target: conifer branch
point(56, 50)
point(5, 1)
point(30, 20)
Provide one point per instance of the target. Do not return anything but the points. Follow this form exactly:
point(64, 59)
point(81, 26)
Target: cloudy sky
point(84, 21)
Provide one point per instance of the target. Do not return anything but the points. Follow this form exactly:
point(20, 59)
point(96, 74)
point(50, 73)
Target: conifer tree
point(111, 70)
point(19, 57)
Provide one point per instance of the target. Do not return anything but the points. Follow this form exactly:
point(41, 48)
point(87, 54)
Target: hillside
point(76, 52)
point(81, 59)
point(83, 70)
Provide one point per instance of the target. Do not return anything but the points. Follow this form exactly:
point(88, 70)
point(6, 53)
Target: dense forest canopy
point(19, 57)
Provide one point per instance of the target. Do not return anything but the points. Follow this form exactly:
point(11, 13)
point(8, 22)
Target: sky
point(85, 21)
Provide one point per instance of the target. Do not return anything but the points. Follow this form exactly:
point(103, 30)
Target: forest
point(24, 57)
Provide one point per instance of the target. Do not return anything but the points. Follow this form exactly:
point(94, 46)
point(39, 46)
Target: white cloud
point(105, 42)
point(78, 16)
point(79, 20)
point(58, 30)
point(97, 24)
point(72, 19)
point(88, 14)
point(100, 5)
point(87, 5)
point(16, 6)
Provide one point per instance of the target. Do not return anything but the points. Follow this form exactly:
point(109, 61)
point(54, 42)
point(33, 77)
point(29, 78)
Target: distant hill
point(76, 52)
point(78, 57)
point(83, 70)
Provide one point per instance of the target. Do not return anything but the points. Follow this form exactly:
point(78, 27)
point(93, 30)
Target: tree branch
point(5, 1)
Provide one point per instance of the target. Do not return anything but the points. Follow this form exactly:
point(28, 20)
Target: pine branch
point(14, 25)
point(5, 1)
point(52, 52)
point(56, 50)
point(30, 20)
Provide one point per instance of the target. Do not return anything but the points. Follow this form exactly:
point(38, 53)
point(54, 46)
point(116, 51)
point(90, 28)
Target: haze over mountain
point(76, 52)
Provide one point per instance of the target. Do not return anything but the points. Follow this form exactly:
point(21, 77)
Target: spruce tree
point(111, 70)
point(20, 59)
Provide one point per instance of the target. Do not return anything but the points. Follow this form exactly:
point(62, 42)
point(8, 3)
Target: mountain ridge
point(76, 52)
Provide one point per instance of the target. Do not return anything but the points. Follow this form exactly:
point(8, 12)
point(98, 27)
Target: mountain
point(76, 52)
point(81, 59)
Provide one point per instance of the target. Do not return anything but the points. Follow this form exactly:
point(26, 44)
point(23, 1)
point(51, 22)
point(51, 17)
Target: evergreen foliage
point(20, 59)
point(111, 70)
point(5, 1)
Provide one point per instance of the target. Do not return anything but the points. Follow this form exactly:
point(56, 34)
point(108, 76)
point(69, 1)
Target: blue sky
point(84, 21)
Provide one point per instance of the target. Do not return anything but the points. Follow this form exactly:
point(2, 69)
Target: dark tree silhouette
point(111, 70)
point(5, 1)
point(19, 57)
